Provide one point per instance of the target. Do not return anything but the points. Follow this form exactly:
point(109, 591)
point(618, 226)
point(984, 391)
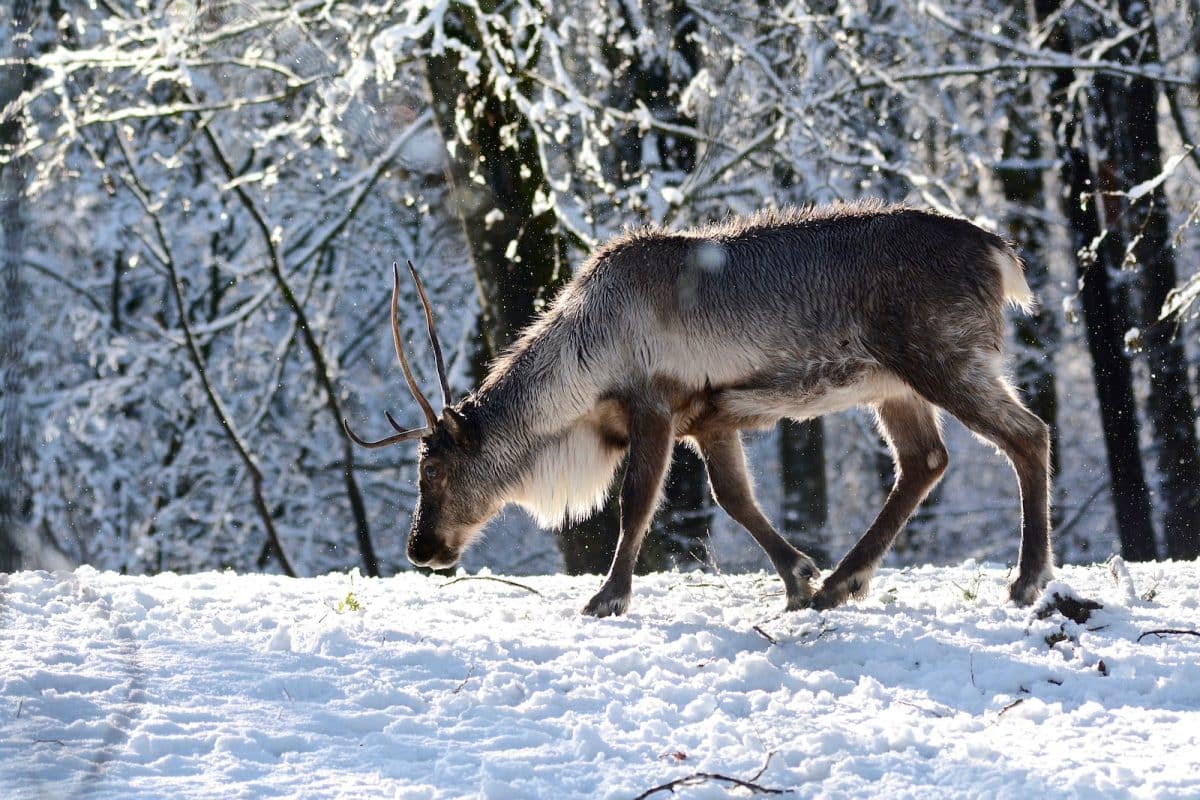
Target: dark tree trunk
point(520, 261)
point(1106, 319)
point(623, 160)
point(587, 548)
point(1132, 106)
point(805, 500)
point(519, 257)
point(14, 79)
point(680, 529)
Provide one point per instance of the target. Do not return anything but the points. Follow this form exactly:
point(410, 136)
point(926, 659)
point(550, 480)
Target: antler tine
point(392, 421)
point(430, 417)
point(401, 436)
point(433, 337)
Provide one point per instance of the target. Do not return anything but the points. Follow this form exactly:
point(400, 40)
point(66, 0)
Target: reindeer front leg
point(651, 436)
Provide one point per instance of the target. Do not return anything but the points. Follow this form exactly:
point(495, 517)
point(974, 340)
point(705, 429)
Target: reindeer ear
point(456, 424)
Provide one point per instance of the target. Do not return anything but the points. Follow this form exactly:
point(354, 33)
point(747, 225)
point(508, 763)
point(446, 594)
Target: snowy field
point(247, 686)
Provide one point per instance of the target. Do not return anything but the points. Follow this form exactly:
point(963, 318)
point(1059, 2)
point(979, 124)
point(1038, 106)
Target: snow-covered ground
point(224, 685)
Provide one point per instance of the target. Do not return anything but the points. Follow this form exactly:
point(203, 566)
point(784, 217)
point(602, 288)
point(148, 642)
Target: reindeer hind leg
point(910, 425)
point(986, 402)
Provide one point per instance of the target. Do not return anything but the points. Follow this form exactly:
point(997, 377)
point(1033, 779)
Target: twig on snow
point(1161, 632)
point(505, 581)
point(470, 672)
point(824, 630)
point(935, 712)
point(764, 634)
point(1011, 706)
point(697, 778)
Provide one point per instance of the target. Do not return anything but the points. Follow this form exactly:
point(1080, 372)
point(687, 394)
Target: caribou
point(697, 335)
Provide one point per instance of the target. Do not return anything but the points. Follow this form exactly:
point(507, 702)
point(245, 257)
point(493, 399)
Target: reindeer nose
point(422, 550)
point(427, 551)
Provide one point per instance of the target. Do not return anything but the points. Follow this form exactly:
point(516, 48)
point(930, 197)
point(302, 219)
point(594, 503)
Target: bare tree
point(518, 248)
point(500, 190)
point(1105, 316)
point(518, 252)
point(274, 546)
point(1143, 231)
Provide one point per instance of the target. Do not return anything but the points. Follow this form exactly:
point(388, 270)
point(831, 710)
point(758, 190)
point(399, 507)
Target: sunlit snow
point(260, 686)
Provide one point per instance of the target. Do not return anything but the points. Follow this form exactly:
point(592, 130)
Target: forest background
point(200, 203)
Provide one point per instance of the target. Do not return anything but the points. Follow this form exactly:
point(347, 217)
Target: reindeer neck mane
point(531, 404)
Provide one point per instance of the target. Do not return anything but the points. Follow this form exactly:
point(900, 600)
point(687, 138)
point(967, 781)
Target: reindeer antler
point(433, 337)
point(403, 435)
point(430, 417)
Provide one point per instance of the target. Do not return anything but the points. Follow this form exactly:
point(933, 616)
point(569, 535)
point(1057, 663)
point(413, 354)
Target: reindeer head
point(457, 495)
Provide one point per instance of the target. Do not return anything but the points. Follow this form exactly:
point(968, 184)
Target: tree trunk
point(1133, 106)
point(1105, 317)
point(14, 79)
point(681, 528)
point(519, 255)
point(805, 504)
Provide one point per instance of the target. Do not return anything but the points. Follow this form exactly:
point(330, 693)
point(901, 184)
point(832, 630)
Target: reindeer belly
point(802, 394)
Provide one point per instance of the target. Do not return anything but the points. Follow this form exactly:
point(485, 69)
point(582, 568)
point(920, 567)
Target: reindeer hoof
point(834, 592)
point(1023, 591)
point(608, 602)
point(797, 580)
point(797, 602)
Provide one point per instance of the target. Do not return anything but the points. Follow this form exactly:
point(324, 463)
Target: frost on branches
point(215, 192)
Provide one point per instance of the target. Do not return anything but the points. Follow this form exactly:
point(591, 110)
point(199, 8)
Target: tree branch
point(138, 189)
point(505, 581)
point(321, 369)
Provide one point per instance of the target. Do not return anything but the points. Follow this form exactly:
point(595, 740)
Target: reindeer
point(698, 335)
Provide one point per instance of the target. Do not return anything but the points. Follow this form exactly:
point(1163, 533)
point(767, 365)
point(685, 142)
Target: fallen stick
point(505, 581)
point(1161, 632)
point(697, 778)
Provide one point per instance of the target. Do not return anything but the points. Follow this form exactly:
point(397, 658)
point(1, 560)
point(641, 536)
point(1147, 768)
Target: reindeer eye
point(432, 473)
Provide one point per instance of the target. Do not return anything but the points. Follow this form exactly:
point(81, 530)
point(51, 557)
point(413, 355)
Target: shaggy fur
point(735, 325)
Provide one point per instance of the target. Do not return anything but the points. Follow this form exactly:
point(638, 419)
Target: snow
point(1146, 187)
point(220, 684)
